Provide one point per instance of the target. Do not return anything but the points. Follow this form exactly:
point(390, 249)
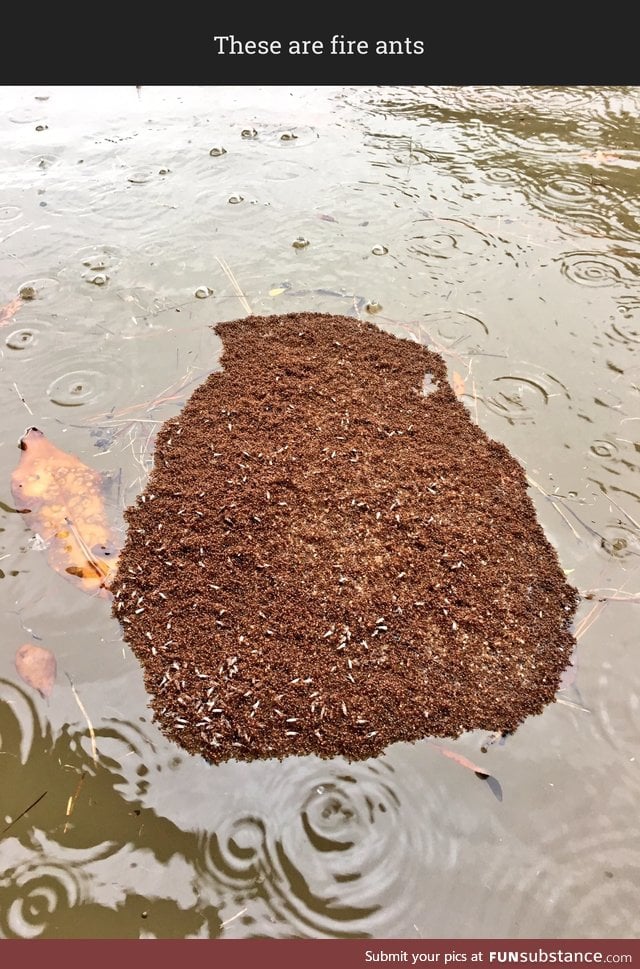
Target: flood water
point(498, 225)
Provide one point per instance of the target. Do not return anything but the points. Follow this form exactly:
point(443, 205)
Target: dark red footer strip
point(320, 954)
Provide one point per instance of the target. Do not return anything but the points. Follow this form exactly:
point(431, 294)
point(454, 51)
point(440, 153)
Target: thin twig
point(589, 620)
point(15, 387)
point(233, 918)
point(617, 596)
point(92, 733)
point(224, 265)
point(625, 513)
point(143, 451)
point(71, 803)
point(596, 611)
point(570, 703)
point(135, 420)
point(556, 506)
point(95, 564)
point(168, 395)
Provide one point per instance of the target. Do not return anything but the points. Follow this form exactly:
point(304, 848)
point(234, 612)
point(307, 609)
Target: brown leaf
point(457, 382)
point(37, 667)
point(62, 499)
point(8, 312)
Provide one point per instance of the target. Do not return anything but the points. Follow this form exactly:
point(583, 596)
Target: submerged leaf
point(63, 501)
point(9, 311)
point(37, 667)
point(493, 782)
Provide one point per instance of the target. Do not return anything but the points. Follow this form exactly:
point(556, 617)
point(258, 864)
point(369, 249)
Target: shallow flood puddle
point(499, 227)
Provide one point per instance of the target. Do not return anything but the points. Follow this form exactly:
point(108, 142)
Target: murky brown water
point(501, 226)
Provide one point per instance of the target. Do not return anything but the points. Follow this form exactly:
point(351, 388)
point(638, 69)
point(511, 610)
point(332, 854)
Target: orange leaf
point(8, 311)
point(493, 782)
point(62, 499)
point(457, 382)
point(37, 667)
point(462, 760)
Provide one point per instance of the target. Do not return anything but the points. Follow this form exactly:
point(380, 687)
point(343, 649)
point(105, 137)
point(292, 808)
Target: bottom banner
point(321, 954)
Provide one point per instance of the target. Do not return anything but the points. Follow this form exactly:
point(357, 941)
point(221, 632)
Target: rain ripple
point(99, 259)
point(620, 267)
point(8, 213)
point(519, 398)
point(77, 388)
point(604, 449)
point(343, 857)
point(448, 238)
point(575, 199)
point(456, 328)
point(286, 138)
point(42, 288)
point(27, 339)
point(571, 881)
point(49, 376)
point(448, 102)
point(626, 328)
point(620, 541)
point(502, 176)
point(35, 894)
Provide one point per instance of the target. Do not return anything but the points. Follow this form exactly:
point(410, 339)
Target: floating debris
point(379, 250)
point(217, 150)
point(248, 133)
point(61, 499)
point(300, 243)
point(203, 292)
point(37, 667)
point(235, 199)
point(27, 292)
point(373, 306)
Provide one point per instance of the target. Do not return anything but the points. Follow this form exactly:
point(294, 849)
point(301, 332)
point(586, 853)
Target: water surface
point(500, 226)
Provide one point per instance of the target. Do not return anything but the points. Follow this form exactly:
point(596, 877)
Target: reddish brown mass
point(326, 561)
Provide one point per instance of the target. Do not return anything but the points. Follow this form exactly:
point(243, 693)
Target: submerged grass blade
point(22, 814)
point(92, 733)
point(226, 268)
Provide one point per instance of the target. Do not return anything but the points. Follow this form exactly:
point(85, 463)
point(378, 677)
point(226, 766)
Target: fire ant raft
point(326, 561)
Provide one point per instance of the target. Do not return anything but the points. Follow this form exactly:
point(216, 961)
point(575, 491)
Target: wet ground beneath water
point(500, 226)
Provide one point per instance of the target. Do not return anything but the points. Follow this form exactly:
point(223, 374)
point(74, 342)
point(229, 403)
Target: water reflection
point(331, 852)
point(526, 139)
point(40, 895)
